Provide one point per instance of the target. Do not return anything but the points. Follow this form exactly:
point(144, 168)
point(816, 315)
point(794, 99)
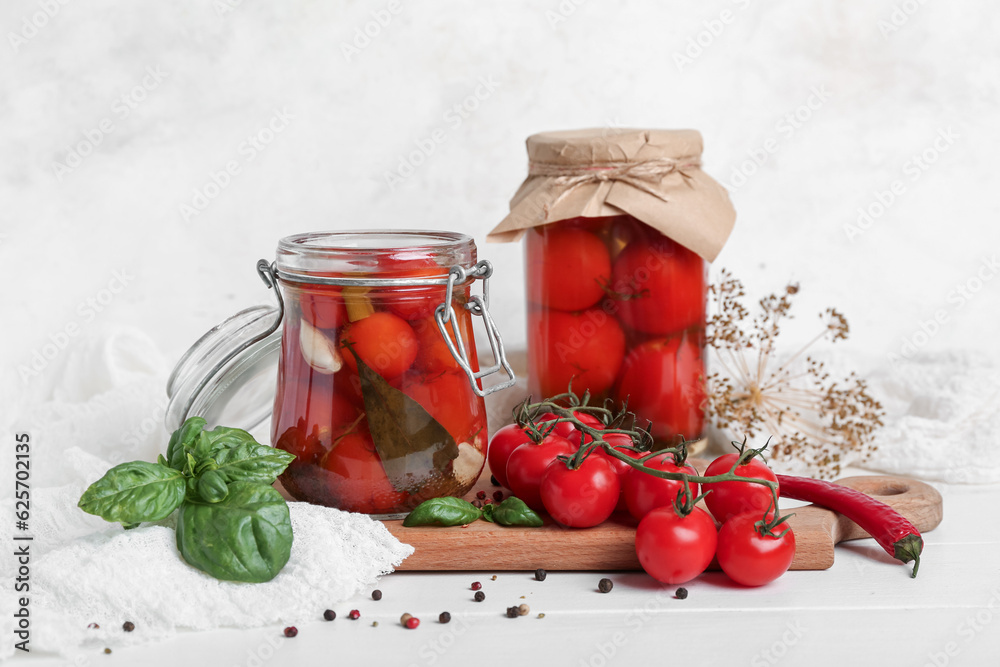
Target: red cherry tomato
point(662, 284)
point(323, 307)
point(674, 549)
point(567, 429)
point(728, 499)
point(449, 399)
point(751, 558)
point(582, 497)
point(359, 482)
point(663, 381)
point(527, 464)
point(412, 303)
point(567, 269)
point(573, 434)
point(383, 341)
point(620, 442)
point(319, 412)
point(433, 355)
point(586, 348)
point(504, 441)
point(330, 412)
point(644, 492)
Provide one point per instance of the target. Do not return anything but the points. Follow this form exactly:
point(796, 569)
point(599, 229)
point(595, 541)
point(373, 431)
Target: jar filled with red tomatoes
point(618, 227)
point(379, 393)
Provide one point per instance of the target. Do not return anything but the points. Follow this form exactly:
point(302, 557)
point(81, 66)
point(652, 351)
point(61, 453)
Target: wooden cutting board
point(611, 546)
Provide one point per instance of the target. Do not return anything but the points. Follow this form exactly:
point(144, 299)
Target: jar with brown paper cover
point(619, 226)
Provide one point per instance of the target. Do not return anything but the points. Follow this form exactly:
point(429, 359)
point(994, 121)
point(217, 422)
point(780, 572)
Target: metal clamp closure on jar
point(444, 314)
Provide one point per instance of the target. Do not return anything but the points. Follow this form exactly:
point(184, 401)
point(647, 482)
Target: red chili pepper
point(891, 530)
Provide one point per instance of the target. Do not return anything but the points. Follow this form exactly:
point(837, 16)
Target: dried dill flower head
point(818, 423)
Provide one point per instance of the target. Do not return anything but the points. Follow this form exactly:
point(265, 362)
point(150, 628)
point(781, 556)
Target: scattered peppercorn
point(512, 612)
point(355, 614)
point(477, 503)
point(107, 650)
point(498, 496)
point(93, 626)
point(681, 593)
point(291, 631)
point(376, 594)
point(480, 596)
point(523, 610)
point(128, 626)
point(412, 622)
point(374, 624)
point(541, 615)
point(540, 574)
point(488, 501)
point(493, 578)
point(481, 495)
point(329, 614)
point(493, 480)
point(476, 585)
point(605, 585)
point(404, 618)
point(444, 617)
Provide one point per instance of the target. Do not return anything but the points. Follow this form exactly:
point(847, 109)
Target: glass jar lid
point(355, 256)
point(232, 390)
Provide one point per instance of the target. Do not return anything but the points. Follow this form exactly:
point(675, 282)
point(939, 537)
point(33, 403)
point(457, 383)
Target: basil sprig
point(232, 523)
point(513, 512)
point(446, 511)
point(449, 511)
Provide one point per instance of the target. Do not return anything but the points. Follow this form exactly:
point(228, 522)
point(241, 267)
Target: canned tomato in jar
point(618, 226)
point(379, 394)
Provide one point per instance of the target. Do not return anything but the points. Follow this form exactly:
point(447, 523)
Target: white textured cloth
point(107, 407)
point(942, 418)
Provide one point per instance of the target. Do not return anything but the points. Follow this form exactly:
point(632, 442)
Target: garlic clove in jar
point(320, 352)
point(468, 465)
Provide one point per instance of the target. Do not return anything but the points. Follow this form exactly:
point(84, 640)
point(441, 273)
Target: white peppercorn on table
point(863, 610)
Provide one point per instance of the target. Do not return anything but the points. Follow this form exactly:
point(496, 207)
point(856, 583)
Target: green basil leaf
point(182, 442)
point(252, 462)
point(246, 537)
point(446, 511)
point(192, 464)
point(513, 512)
point(488, 511)
point(135, 493)
point(212, 486)
point(203, 448)
point(223, 437)
point(409, 441)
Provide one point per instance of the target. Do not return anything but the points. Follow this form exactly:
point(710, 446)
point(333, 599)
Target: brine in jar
point(370, 399)
point(617, 308)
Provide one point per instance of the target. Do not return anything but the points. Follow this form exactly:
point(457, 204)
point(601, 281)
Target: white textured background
point(888, 91)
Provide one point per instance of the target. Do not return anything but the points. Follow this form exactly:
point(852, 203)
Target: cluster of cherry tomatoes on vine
point(580, 465)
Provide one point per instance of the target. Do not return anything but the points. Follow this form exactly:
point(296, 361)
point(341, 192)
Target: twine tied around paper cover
point(637, 174)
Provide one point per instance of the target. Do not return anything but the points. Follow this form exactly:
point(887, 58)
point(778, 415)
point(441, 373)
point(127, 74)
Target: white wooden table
point(866, 610)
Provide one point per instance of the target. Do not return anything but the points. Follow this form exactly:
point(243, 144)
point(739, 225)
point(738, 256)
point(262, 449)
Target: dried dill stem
point(818, 423)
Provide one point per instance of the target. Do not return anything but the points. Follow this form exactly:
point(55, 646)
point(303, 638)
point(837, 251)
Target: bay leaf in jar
point(413, 446)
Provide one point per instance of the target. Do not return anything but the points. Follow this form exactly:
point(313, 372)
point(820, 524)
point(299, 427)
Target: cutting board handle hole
point(890, 489)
